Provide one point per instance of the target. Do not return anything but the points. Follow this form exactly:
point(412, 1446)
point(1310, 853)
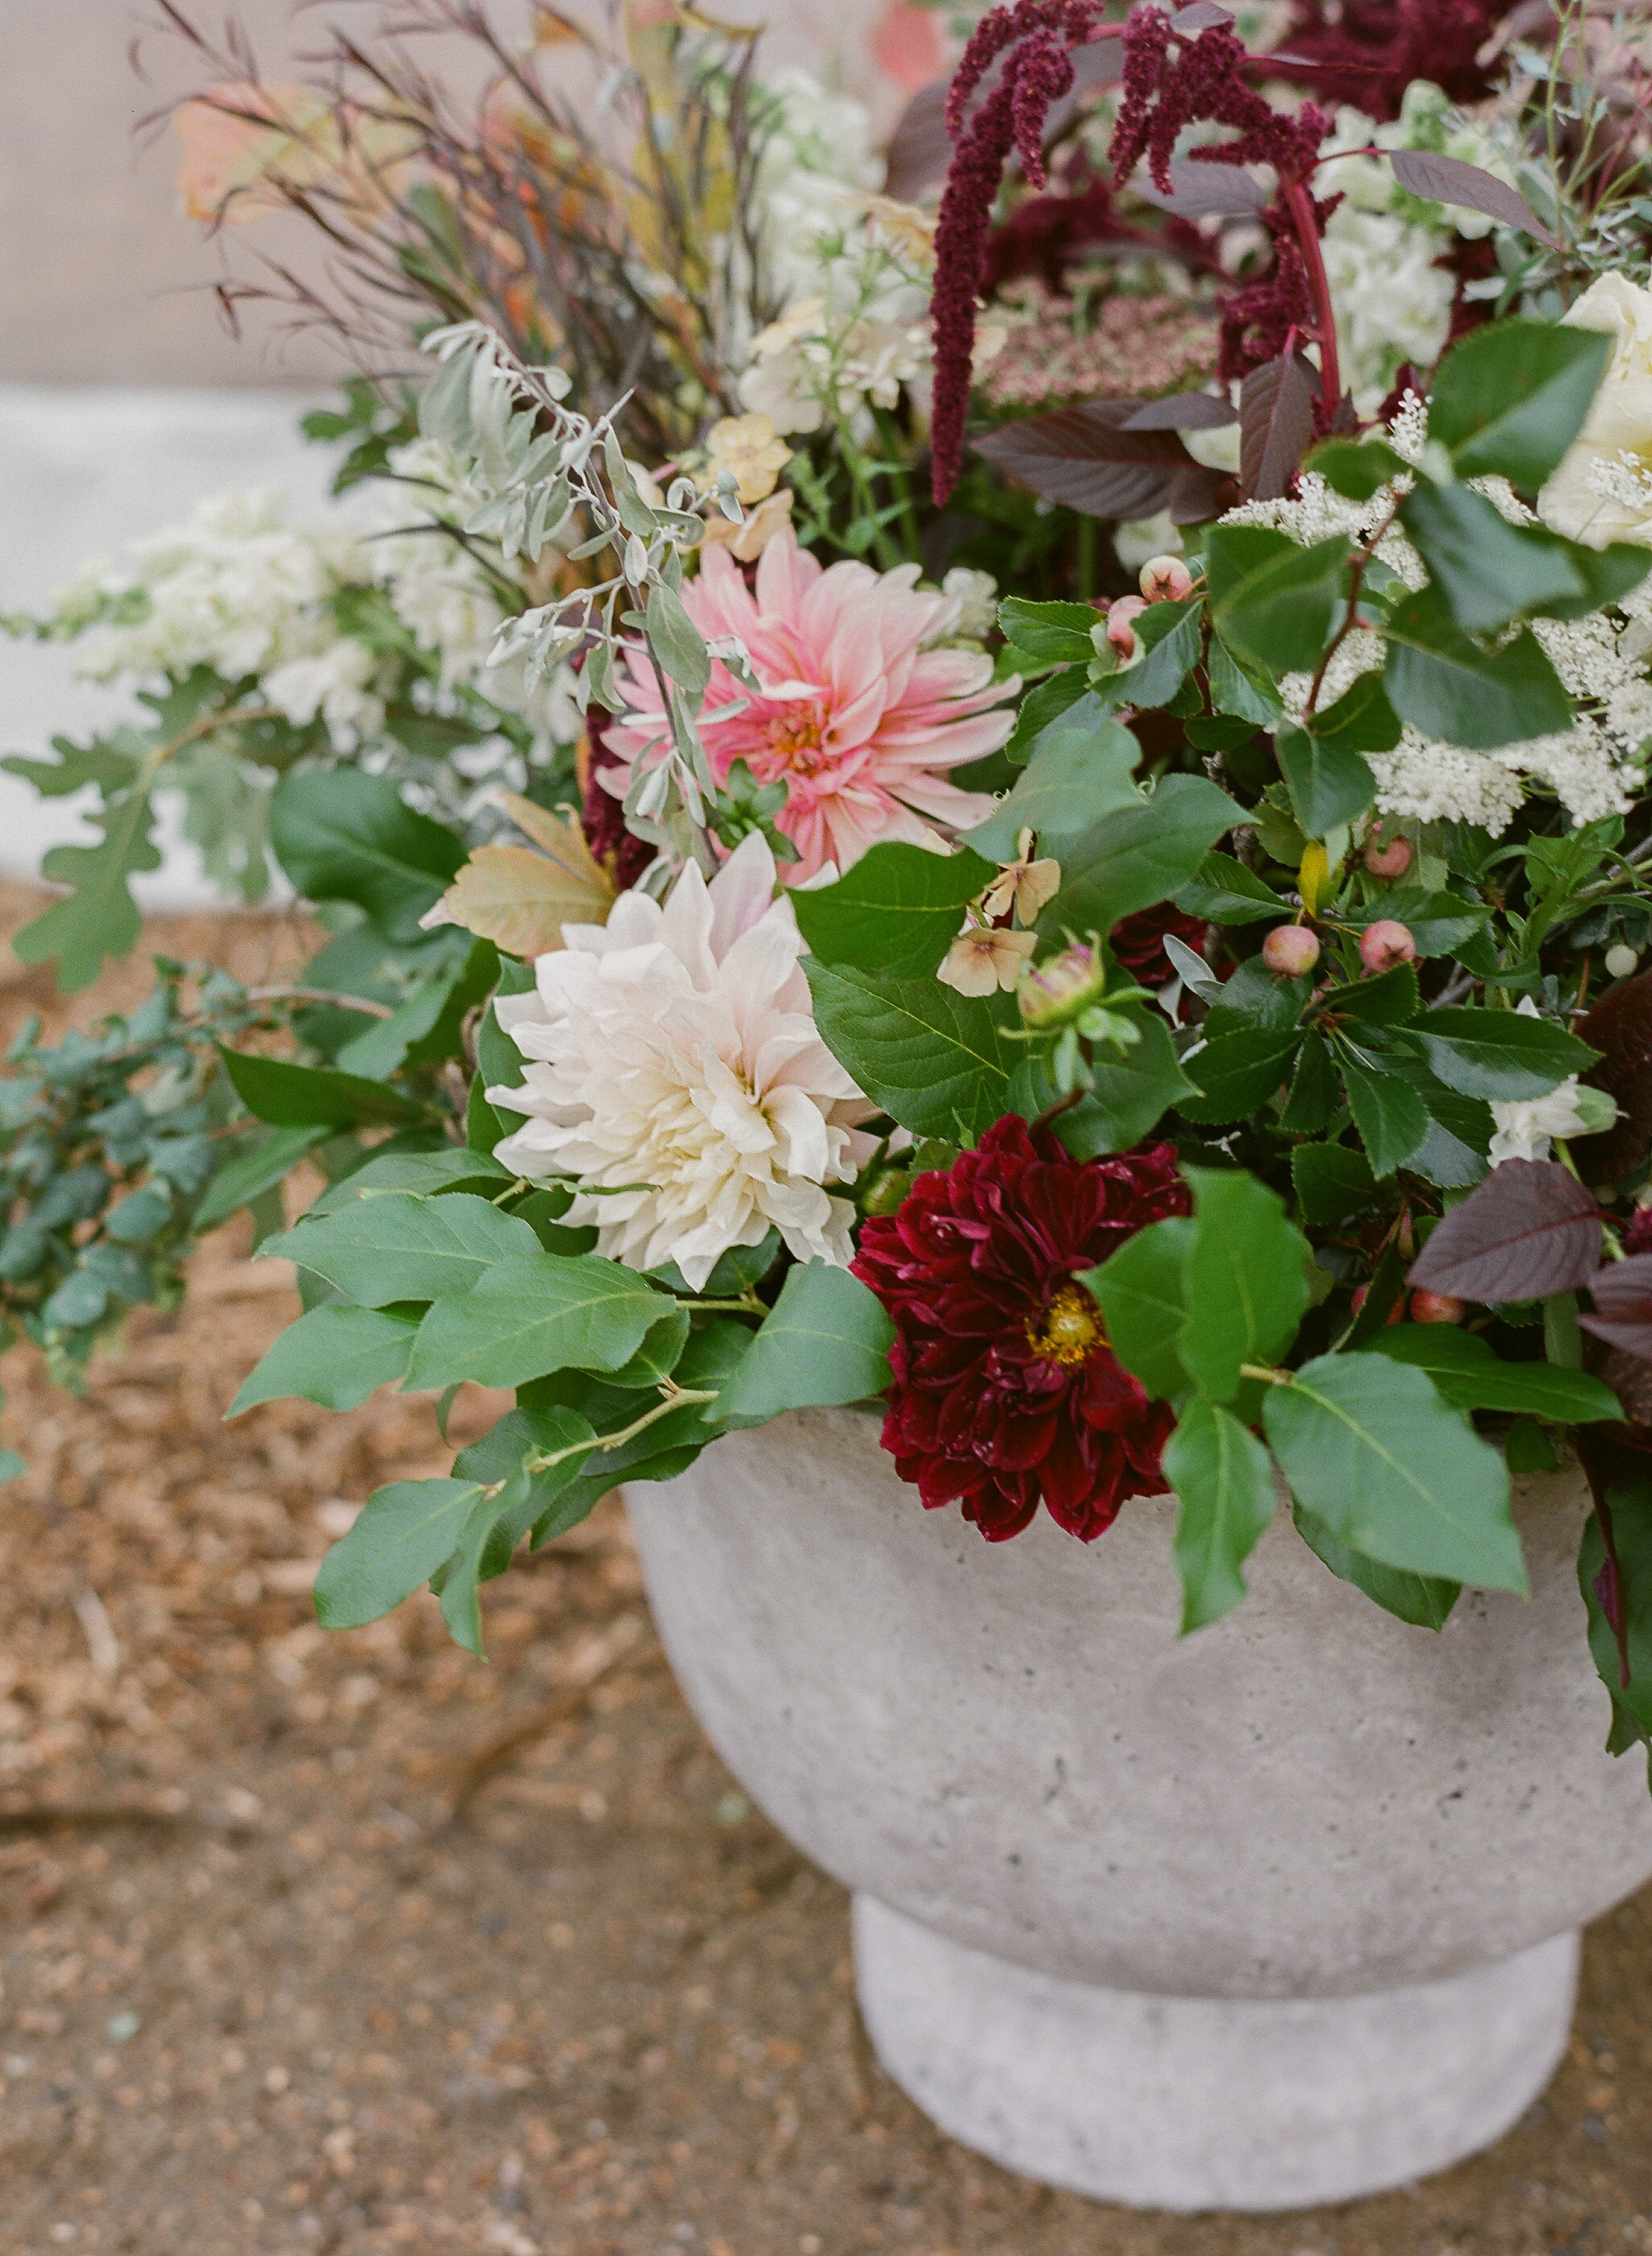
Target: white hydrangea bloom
point(436, 589)
point(336, 684)
point(1393, 302)
point(820, 150)
point(675, 1048)
point(1595, 768)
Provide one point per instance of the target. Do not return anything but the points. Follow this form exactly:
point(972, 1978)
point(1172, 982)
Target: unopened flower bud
point(1120, 633)
point(1064, 988)
point(1165, 580)
point(1386, 944)
point(1290, 949)
point(1390, 859)
point(1620, 960)
point(1436, 1308)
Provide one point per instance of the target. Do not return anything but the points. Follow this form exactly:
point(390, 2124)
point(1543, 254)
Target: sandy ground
point(353, 1944)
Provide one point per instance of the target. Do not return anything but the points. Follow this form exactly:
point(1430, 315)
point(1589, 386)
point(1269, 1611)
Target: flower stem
point(1299, 203)
point(674, 1400)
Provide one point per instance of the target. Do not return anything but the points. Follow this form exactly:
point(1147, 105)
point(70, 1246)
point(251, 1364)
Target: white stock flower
point(976, 596)
point(675, 1048)
point(1526, 1126)
point(1392, 302)
point(1602, 491)
point(335, 685)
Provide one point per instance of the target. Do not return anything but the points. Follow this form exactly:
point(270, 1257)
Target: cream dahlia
point(858, 713)
point(675, 1073)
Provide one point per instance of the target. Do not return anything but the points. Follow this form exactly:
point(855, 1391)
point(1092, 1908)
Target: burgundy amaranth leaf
point(1181, 411)
point(1203, 191)
point(920, 147)
point(1622, 1296)
point(1619, 1026)
point(1089, 459)
point(1529, 1230)
point(1449, 180)
point(1276, 425)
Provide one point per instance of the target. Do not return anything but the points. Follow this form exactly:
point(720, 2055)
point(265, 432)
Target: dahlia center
point(797, 741)
point(1068, 1328)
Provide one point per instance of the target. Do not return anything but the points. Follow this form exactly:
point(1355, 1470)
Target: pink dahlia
point(856, 712)
point(1005, 1389)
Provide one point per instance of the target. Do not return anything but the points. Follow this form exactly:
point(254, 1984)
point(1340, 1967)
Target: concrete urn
point(1277, 1915)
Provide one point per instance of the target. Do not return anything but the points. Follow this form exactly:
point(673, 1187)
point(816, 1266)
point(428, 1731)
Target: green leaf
point(1357, 469)
point(934, 1060)
point(1454, 691)
point(1042, 705)
point(1438, 922)
point(826, 1340)
point(1391, 1118)
point(427, 1026)
point(896, 911)
point(489, 1518)
point(1424, 1601)
point(1362, 720)
point(404, 1533)
point(1391, 999)
point(1488, 570)
point(401, 1247)
point(1238, 1073)
point(534, 1313)
point(1332, 1182)
point(1470, 1377)
point(660, 1352)
point(1048, 634)
point(249, 1174)
point(1329, 785)
point(1316, 1094)
point(1499, 1053)
point(1081, 769)
point(425, 1173)
point(1170, 637)
point(1240, 689)
point(334, 1356)
point(1224, 1481)
point(341, 836)
point(313, 1096)
point(1509, 399)
point(99, 920)
point(677, 642)
point(1133, 1091)
point(1226, 891)
point(1233, 551)
point(1369, 1448)
point(1138, 855)
point(1246, 1280)
point(1280, 613)
point(1143, 1303)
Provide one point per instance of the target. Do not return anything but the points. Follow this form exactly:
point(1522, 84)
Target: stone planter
point(1278, 1914)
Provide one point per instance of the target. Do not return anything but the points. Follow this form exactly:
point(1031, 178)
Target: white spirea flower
point(1602, 491)
point(675, 1048)
point(1526, 1125)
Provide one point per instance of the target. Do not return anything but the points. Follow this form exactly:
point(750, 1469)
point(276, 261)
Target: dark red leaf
point(1449, 180)
point(1529, 1230)
point(1276, 425)
point(920, 147)
point(1205, 191)
point(1619, 1026)
point(1198, 18)
point(1087, 460)
point(1182, 411)
point(1622, 1296)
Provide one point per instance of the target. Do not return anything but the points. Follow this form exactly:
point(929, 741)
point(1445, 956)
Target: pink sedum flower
point(856, 715)
point(675, 1048)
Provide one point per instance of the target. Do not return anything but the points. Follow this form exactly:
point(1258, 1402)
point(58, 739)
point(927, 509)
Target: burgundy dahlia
point(623, 854)
point(1138, 943)
point(1005, 1388)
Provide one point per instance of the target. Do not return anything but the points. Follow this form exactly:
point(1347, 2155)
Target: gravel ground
point(353, 1944)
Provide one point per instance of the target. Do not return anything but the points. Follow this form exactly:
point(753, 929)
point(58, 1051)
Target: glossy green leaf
point(1329, 785)
point(1357, 469)
point(1241, 690)
point(1043, 704)
point(314, 1097)
point(1048, 634)
point(938, 1061)
point(1332, 1183)
point(341, 836)
point(1391, 1118)
point(1246, 1280)
point(400, 1247)
point(1281, 614)
point(1138, 855)
point(1143, 1303)
point(1498, 1054)
point(403, 1535)
point(334, 1356)
point(1509, 399)
point(1438, 922)
point(1081, 769)
point(1470, 1377)
point(1390, 999)
point(1362, 720)
point(1237, 1074)
point(1488, 570)
point(533, 1313)
point(254, 1170)
point(1451, 689)
point(1224, 1483)
point(1369, 1448)
point(426, 1173)
point(1223, 889)
point(1424, 1601)
point(896, 911)
point(1132, 1089)
point(826, 1340)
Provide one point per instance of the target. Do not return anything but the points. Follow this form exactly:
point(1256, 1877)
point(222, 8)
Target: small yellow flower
point(746, 543)
point(750, 450)
point(986, 958)
point(1029, 886)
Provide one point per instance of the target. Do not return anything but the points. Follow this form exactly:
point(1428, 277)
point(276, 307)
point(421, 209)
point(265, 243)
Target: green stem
point(1265, 1371)
point(674, 1400)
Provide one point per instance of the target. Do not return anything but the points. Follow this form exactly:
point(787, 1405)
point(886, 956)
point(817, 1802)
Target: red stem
point(1299, 204)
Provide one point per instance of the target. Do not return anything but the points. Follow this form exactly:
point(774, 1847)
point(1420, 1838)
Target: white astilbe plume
point(675, 1049)
point(1595, 768)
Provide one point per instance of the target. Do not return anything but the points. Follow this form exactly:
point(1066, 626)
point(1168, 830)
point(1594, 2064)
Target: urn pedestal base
point(1209, 2103)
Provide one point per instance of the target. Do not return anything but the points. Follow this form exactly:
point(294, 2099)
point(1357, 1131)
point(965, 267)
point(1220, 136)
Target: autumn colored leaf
point(520, 898)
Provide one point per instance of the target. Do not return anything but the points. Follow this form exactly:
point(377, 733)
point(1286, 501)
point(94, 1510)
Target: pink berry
point(1386, 944)
point(1290, 949)
point(1165, 580)
point(1121, 633)
point(1362, 1294)
point(1392, 860)
point(1436, 1308)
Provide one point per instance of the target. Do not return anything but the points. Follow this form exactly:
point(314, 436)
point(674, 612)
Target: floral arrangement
point(870, 861)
